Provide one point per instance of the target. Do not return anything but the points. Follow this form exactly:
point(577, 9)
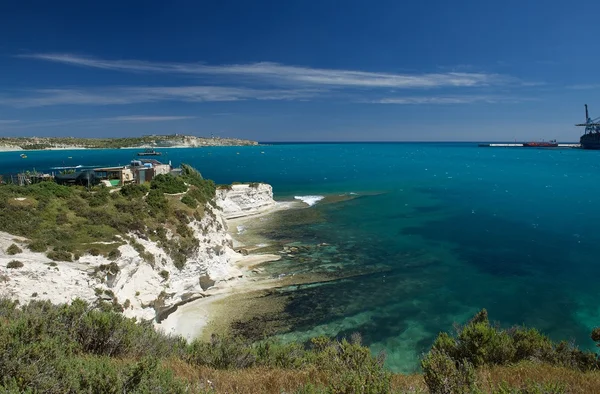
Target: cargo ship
point(543, 144)
point(591, 136)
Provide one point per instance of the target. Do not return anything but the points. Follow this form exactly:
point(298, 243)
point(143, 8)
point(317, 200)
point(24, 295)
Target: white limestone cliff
point(145, 289)
point(243, 200)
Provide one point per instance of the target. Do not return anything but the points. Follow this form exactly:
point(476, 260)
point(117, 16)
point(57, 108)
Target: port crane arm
point(588, 121)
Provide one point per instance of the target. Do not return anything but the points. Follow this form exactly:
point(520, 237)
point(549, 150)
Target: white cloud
point(143, 94)
point(146, 118)
point(466, 99)
point(286, 75)
point(585, 86)
point(8, 121)
point(94, 121)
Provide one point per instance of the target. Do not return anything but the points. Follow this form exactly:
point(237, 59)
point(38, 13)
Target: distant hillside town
point(147, 141)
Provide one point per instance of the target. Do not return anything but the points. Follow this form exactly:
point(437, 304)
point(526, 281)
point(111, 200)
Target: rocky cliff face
point(244, 200)
point(145, 289)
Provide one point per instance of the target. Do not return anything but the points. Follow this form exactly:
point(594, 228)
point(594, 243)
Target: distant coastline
point(151, 141)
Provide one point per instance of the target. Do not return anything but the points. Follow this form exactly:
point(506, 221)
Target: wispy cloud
point(93, 121)
point(295, 75)
point(466, 99)
point(144, 118)
point(132, 95)
point(8, 121)
point(588, 86)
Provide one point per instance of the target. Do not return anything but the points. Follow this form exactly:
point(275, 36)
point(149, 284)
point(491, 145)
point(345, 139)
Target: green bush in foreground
point(73, 348)
point(84, 348)
point(449, 366)
point(76, 348)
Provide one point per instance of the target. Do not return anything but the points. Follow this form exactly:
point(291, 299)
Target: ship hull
point(540, 145)
point(590, 141)
point(590, 145)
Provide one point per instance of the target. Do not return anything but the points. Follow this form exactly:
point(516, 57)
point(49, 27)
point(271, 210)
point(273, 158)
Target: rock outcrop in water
point(145, 290)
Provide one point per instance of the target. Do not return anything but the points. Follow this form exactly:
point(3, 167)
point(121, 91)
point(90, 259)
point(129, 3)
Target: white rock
point(137, 280)
point(244, 200)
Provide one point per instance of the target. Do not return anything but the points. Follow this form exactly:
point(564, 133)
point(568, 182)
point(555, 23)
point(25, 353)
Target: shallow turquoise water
point(439, 231)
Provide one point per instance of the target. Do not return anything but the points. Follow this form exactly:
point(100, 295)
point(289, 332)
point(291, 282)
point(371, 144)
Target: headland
point(149, 141)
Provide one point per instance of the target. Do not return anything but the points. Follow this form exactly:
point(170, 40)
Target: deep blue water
point(440, 231)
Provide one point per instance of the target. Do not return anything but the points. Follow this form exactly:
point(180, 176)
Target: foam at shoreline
point(310, 200)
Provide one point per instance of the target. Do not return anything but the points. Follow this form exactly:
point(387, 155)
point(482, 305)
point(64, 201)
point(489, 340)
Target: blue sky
point(300, 70)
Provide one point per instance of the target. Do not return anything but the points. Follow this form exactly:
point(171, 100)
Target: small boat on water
point(23, 156)
point(149, 152)
point(543, 144)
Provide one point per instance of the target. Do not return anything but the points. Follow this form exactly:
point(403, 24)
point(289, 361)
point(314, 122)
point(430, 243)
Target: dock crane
point(591, 125)
point(591, 136)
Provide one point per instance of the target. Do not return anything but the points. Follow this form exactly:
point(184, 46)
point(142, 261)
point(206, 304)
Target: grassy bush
point(189, 201)
point(77, 348)
point(60, 255)
point(38, 246)
point(168, 183)
point(13, 249)
point(480, 343)
point(14, 264)
point(448, 367)
point(56, 349)
point(134, 191)
point(94, 252)
point(114, 254)
point(164, 274)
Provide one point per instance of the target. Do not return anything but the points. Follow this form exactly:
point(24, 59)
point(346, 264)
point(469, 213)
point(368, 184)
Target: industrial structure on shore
point(591, 136)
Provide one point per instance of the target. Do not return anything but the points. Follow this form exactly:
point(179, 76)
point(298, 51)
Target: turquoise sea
point(436, 232)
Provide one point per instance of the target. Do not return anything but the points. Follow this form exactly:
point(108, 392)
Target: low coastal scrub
point(13, 249)
point(66, 222)
point(90, 348)
point(15, 264)
point(451, 365)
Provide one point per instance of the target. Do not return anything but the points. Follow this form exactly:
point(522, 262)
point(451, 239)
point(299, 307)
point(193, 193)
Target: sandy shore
point(243, 301)
point(192, 319)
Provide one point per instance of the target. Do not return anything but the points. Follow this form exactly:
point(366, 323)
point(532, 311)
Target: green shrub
point(112, 268)
point(478, 343)
point(164, 274)
point(157, 203)
point(94, 252)
point(134, 191)
point(13, 249)
point(60, 255)
point(443, 375)
point(99, 197)
point(14, 264)
point(221, 353)
point(37, 246)
point(168, 183)
point(114, 254)
point(189, 201)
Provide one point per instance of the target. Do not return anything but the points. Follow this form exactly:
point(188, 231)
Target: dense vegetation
point(66, 222)
point(76, 348)
point(31, 143)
